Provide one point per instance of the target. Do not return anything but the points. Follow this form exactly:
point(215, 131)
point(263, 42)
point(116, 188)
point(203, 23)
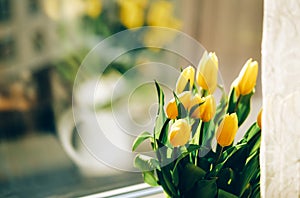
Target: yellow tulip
point(131, 14)
point(207, 72)
point(227, 130)
point(171, 109)
point(141, 3)
point(259, 118)
point(161, 14)
point(207, 110)
point(247, 77)
point(184, 98)
point(180, 133)
point(93, 8)
point(197, 100)
point(187, 75)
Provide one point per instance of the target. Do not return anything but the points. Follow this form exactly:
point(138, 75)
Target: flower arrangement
point(186, 162)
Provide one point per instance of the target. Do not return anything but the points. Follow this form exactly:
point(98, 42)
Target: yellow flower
point(141, 3)
point(247, 77)
point(196, 100)
point(207, 72)
point(187, 75)
point(184, 98)
point(131, 14)
point(227, 130)
point(161, 14)
point(180, 133)
point(93, 8)
point(259, 118)
point(205, 111)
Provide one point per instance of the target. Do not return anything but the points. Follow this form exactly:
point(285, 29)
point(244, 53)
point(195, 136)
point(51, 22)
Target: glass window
point(5, 10)
point(7, 48)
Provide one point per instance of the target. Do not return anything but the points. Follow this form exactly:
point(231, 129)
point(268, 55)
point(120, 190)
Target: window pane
point(5, 10)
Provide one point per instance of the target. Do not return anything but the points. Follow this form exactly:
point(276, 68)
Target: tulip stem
point(219, 155)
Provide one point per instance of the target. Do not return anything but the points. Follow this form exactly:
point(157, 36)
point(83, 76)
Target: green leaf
point(205, 189)
point(167, 179)
point(161, 116)
point(195, 127)
point(149, 178)
point(145, 163)
point(195, 89)
point(163, 184)
point(230, 151)
point(240, 105)
point(252, 138)
point(209, 134)
point(193, 108)
point(256, 191)
point(221, 108)
point(224, 157)
point(182, 113)
point(225, 194)
point(232, 101)
point(225, 178)
point(175, 176)
point(187, 86)
point(238, 159)
point(247, 192)
point(204, 163)
point(250, 171)
point(191, 147)
point(184, 152)
point(255, 144)
point(252, 131)
point(141, 138)
point(163, 136)
point(189, 175)
point(162, 153)
point(243, 107)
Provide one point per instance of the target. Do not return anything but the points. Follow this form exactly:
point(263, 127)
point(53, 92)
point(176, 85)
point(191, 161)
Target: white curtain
point(280, 150)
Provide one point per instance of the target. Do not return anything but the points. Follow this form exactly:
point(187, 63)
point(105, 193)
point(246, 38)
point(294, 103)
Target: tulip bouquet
point(193, 139)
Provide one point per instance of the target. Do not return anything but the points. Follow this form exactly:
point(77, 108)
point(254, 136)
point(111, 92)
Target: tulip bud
point(184, 98)
point(207, 72)
point(259, 118)
point(247, 77)
point(207, 110)
point(227, 130)
point(180, 133)
point(187, 75)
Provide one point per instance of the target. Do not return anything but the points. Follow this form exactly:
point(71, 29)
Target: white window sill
point(139, 190)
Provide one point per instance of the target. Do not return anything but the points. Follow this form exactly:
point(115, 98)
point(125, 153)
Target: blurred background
point(42, 45)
